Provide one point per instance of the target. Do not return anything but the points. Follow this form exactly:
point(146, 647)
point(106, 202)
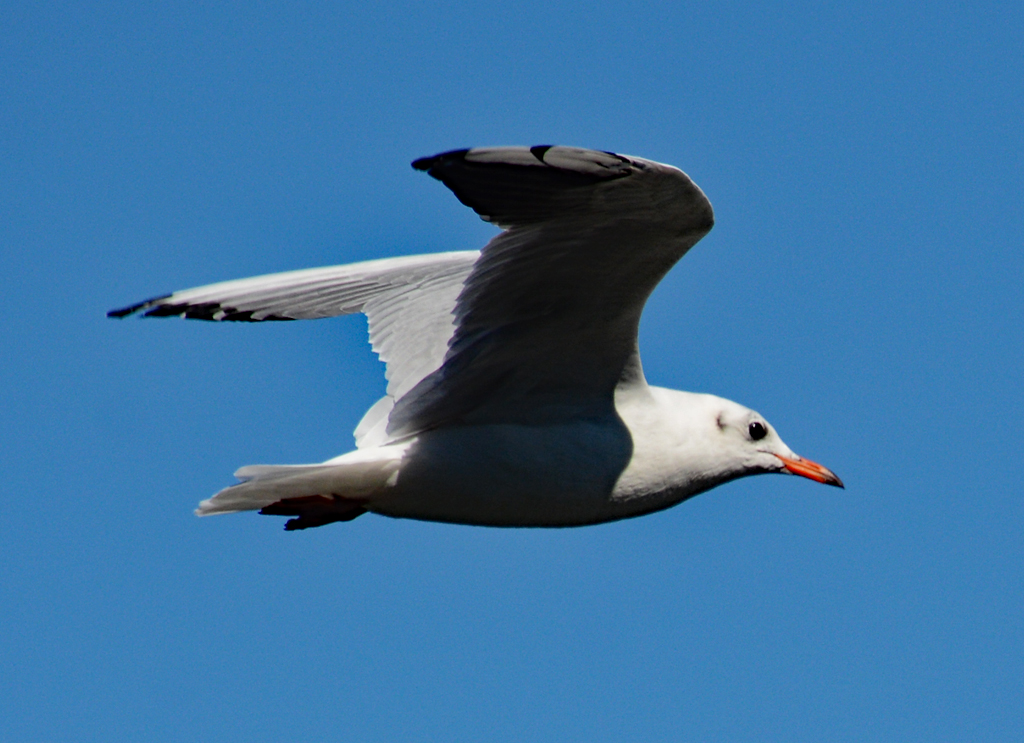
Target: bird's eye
point(758, 430)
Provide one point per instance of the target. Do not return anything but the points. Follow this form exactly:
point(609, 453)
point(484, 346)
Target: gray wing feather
point(547, 320)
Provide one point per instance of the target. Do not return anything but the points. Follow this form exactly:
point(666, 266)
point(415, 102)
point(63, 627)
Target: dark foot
point(314, 510)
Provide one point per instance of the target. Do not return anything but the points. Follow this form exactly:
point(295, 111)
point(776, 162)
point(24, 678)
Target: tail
point(317, 494)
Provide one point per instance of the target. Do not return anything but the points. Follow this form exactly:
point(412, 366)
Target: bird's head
point(754, 447)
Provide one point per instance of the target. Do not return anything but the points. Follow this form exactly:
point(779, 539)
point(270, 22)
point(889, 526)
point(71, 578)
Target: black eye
point(758, 430)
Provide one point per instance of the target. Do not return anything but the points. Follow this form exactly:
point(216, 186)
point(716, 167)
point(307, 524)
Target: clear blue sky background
point(862, 289)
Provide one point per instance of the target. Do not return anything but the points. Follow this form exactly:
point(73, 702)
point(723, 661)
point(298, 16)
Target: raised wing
point(547, 320)
point(408, 302)
point(539, 326)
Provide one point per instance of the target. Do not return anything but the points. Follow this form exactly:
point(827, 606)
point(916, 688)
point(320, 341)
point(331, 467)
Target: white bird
point(515, 393)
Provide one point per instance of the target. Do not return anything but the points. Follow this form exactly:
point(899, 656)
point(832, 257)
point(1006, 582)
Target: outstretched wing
point(408, 302)
point(546, 324)
point(539, 326)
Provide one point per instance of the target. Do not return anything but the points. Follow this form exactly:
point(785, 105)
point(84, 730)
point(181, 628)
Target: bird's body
point(516, 395)
point(568, 473)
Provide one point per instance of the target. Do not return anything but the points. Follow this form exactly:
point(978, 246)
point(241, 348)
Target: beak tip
point(811, 470)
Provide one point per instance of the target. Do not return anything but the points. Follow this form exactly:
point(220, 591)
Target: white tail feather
point(359, 478)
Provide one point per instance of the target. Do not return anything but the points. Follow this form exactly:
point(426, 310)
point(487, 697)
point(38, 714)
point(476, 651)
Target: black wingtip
point(426, 163)
point(125, 311)
point(538, 151)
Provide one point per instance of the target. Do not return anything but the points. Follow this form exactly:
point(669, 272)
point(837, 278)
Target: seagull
point(515, 393)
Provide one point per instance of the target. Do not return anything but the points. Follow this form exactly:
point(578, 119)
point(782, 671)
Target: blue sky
point(861, 288)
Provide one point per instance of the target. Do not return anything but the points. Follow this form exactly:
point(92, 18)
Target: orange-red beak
point(812, 470)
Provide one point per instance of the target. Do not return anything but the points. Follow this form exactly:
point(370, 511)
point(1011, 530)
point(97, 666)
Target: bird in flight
point(515, 393)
